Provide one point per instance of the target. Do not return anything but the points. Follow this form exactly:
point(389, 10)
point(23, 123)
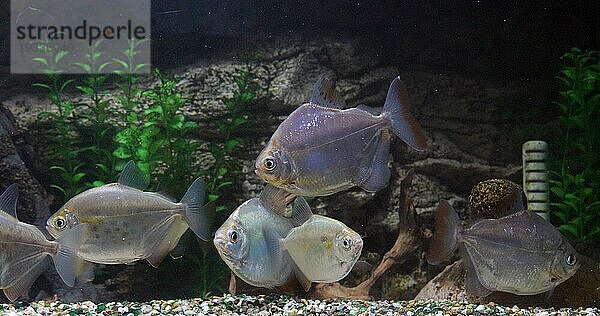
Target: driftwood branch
point(409, 239)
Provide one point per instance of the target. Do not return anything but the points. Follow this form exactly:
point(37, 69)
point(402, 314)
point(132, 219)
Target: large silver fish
point(520, 253)
point(324, 249)
point(24, 250)
point(320, 149)
point(125, 224)
point(248, 242)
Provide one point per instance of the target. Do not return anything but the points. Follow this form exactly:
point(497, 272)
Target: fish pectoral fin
point(133, 177)
point(8, 200)
point(324, 94)
point(273, 241)
point(21, 275)
point(301, 211)
point(375, 176)
point(66, 259)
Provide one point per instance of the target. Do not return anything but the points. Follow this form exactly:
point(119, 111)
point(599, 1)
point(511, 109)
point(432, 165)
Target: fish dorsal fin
point(132, 176)
point(324, 94)
point(301, 211)
point(275, 199)
point(8, 200)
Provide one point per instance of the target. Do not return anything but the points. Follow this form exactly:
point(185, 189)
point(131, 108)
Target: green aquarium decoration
point(575, 172)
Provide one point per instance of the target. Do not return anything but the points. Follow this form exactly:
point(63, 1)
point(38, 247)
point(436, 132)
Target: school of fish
point(274, 240)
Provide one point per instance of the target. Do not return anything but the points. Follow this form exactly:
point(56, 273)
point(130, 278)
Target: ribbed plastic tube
point(535, 177)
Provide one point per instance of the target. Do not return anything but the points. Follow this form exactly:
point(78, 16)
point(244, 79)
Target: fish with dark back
point(521, 253)
point(321, 149)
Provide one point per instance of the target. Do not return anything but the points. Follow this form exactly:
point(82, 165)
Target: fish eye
point(233, 237)
point(60, 222)
point(571, 260)
point(269, 163)
point(346, 243)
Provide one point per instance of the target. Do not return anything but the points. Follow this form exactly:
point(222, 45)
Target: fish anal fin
point(165, 246)
point(302, 279)
point(84, 270)
point(324, 94)
point(25, 273)
point(132, 176)
point(472, 284)
point(375, 176)
point(289, 287)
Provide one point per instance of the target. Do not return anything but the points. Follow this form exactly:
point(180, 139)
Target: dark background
point(506, 39)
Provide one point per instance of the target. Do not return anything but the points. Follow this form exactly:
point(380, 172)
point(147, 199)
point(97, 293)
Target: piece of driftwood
point(583, 289)
point(409, 239)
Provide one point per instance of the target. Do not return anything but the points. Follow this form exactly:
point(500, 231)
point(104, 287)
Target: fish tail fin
point(195, 212)
point(66, 260)
point(445, 238)
point(404, 125)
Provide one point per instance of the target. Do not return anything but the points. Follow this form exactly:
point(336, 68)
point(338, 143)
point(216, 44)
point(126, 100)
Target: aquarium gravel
point(280, 305)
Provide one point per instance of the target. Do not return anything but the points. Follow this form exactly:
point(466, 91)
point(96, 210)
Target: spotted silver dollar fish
point(324, 249)
point(520, 253)
point(248, 241)
point(320, 149)
point(24, 250)
point(125, 224)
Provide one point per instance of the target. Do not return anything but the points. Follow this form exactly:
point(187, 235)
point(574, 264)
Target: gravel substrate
point(280, 305)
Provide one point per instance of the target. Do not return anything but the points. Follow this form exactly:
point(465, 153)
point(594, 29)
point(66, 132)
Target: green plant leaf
point(42, 60)
point(60, 56)
point(54, 186)
point(569, 229)
point(77, 177)
point(122, 153)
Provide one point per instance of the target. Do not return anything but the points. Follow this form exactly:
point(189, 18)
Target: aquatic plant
point(244, 94)
point(60, 134)
point(97, 136)
point(576, 175)
point(159, 136)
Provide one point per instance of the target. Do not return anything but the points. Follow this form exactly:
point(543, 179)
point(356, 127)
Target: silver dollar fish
point(324, 249)
point(321, 149)
point(125, 224)
point(520, 253)
point(248, 242)
point(24, 250)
